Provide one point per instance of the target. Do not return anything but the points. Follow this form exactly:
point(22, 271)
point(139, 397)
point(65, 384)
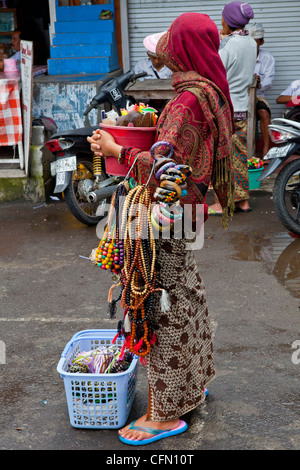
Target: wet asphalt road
point(49, 291)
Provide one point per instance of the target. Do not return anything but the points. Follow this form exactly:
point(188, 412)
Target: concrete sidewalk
point(49, 291)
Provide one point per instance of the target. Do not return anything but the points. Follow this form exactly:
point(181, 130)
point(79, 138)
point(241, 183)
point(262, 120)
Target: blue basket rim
point(92, 375)
point(80, 374)
point(110, 334)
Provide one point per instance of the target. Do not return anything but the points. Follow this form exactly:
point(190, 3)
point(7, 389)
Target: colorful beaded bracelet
point(161, 161)
point(174, 179)
point(170, 197)
point(186, 168)
point(174, 172)
point(160, 218)
point(174, 216)
point(158, 227)
point(164, 168)
point(171, 187)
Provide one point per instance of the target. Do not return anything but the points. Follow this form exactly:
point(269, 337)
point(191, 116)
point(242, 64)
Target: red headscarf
point(198, 121)
point(192, 44)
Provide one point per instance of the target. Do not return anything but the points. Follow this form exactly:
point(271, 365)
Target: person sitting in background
point(153, 65)
point(291, 93)
point(265, 71)
point(16, 47)
point(154, 68)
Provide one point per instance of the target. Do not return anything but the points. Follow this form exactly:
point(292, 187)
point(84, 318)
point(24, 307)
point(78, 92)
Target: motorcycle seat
point(82, 131)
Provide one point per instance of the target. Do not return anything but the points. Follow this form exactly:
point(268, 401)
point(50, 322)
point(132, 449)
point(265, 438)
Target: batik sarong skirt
point(241, 179)
point(180, 364)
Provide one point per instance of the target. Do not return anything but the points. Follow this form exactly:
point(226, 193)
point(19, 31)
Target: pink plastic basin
point(140, 137)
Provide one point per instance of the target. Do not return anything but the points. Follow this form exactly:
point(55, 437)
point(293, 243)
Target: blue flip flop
point(157, 435)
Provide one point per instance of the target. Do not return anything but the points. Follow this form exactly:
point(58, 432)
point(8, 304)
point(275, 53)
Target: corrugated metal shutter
point(281, 21)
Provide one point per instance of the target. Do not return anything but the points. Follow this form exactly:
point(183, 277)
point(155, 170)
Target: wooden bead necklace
point(129, 231)
point(127, 248)
point(139, 270)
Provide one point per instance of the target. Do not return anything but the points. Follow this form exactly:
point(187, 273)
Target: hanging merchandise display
point(127, 248)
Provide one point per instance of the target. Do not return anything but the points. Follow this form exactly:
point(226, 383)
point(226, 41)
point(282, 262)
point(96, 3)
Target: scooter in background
point(285, 133)
point(293, 111)
point(80, 174)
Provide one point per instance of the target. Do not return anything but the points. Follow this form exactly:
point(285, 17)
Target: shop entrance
point(31, 20)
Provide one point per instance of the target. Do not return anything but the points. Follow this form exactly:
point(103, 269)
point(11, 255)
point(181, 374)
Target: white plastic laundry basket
point(97, 401)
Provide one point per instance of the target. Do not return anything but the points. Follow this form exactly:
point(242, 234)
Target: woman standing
point(238, 52)
point(198, 123)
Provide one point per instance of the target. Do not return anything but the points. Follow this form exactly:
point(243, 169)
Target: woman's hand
point(104, 144)
point(94, 140)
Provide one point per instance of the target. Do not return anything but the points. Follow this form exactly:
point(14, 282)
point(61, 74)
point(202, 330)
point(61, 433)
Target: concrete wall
point(31, 187)
point(65, 102)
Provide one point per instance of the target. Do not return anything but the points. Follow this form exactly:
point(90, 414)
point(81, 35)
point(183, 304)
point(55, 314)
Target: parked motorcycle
point(293, 111)
point(285, 133)
point(79, 174)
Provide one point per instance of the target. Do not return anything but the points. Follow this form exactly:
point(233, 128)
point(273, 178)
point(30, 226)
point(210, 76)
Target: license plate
point(60, 178)
point(64, 164)
point(278, 152)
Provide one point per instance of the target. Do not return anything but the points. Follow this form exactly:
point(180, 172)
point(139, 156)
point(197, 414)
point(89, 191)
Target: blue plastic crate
point(97, 401)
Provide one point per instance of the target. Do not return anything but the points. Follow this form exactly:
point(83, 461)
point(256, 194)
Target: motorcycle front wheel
point(287, 268)
point(88, 213)
point(286, 196)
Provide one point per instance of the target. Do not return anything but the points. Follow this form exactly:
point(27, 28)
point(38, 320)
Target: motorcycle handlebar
point(121, 81)
point(93, 104)
point(140, 75)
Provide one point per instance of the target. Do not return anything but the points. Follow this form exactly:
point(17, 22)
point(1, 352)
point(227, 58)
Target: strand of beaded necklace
point(110, 252)
point(139, 269)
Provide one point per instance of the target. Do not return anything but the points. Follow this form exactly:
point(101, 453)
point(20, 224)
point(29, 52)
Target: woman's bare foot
point(244, 205)
point(133, 434)
point(216, 207)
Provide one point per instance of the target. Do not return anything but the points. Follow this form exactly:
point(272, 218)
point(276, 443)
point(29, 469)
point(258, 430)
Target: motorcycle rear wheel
point(286, 196)
point(87, 213)
point(293, 114)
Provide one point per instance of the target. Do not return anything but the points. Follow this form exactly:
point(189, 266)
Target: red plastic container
point(140, 137)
